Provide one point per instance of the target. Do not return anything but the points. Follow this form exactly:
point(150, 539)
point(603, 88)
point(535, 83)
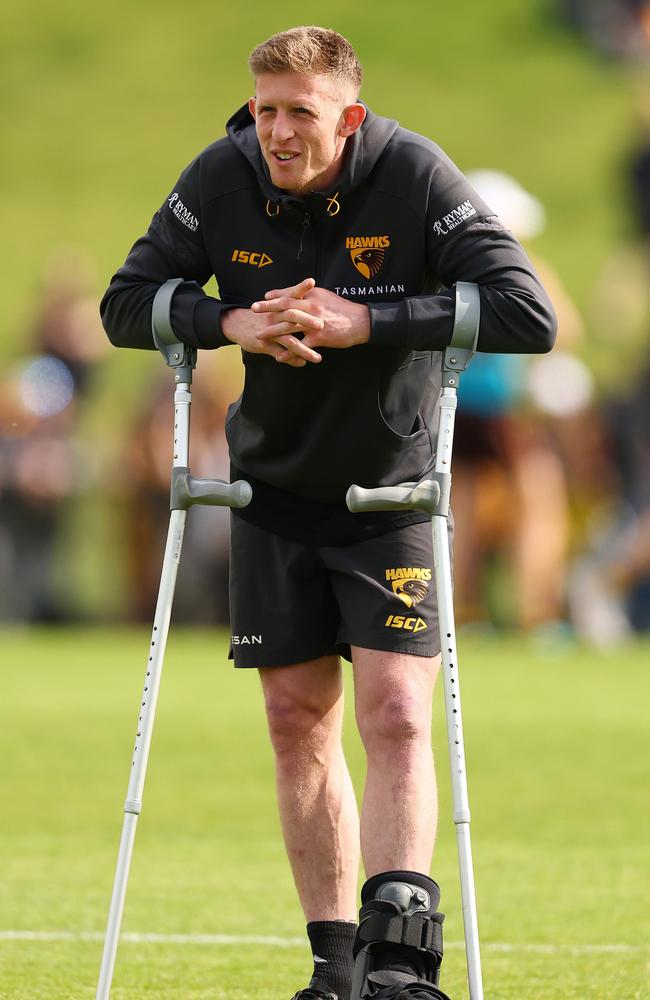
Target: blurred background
point(546, 105)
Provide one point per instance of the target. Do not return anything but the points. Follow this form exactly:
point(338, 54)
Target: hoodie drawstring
point(305, 226)
point(333, 207)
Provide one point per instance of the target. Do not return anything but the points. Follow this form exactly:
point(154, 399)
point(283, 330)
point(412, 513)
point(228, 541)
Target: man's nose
point(282, 127)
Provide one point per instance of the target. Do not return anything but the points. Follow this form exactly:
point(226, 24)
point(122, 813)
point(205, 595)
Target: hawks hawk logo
point(367, 253)
point(367, 262)
point(410, 591)
point(409, 583)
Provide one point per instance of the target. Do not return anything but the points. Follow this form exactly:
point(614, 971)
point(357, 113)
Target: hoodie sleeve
point(173, 247)
point(466, 242)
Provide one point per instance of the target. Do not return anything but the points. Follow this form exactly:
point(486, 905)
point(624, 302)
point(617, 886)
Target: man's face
point(302, 123)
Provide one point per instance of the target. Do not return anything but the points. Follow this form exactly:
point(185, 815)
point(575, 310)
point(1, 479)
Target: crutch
point(186, 490)
point(432, 495)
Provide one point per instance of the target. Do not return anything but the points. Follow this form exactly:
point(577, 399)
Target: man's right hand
point(242, 326)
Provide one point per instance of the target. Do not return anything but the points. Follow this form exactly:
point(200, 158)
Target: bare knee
point(395, 722)
point(302, 718)
point(294, 723)
point(393, 696)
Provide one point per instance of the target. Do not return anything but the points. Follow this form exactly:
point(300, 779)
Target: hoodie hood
point(362, 150)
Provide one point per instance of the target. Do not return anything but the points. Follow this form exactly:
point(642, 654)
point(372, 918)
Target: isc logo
point(411, 624)
point(251, 257)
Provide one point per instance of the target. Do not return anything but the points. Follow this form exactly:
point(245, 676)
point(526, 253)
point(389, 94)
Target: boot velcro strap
point(391, 985)
point(416, 930)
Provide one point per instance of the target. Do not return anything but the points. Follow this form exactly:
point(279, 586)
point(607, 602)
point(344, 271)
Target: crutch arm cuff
point(464, 338)
point(161, 315)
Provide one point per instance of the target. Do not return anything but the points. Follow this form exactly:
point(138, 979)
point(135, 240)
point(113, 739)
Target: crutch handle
point(408, 496)
point(188, 490)
point(216, 493)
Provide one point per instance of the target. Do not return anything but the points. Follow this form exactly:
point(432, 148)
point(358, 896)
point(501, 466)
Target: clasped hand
point(323, 318)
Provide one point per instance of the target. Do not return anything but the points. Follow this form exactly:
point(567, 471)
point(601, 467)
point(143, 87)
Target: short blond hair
point(309, 50)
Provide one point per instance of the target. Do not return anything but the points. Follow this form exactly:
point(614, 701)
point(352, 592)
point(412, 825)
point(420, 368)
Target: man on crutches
point(329, 230)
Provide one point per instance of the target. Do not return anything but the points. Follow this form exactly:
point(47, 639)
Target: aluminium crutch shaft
point(432, 495)
point(185, 491)
point(453, 714)
point(133, 803)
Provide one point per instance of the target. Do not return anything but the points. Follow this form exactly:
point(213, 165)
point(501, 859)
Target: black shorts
point(291, 602)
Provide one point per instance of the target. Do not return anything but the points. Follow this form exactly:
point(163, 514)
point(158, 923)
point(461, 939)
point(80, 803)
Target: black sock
point(331, 944)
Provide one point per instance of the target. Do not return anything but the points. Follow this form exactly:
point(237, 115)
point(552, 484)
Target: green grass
point(558, 766)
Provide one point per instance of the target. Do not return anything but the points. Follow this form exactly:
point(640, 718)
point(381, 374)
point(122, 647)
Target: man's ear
point(252, 102)
point(352, 119)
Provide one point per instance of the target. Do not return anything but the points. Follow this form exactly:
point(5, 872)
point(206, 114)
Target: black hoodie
point(401, 226)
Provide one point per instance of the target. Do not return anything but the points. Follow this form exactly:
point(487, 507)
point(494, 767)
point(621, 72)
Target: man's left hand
point(342, 323)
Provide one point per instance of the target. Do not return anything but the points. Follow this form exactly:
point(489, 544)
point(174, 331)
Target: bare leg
point(394, 694)
point(318, 810)
point(541, 542)
point(468, 548)
point(630, 560)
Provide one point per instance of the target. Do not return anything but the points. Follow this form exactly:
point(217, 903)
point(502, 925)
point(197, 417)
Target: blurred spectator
point(37, 473)
point(66, 326)
point(640, 174)
point(202, 585)
point(40, 464)
point(610, 586)
point(511, 493)
point(619, 28)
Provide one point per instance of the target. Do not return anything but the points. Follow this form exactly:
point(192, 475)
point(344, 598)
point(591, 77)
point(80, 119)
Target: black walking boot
point(398, 948)
point(317, 990)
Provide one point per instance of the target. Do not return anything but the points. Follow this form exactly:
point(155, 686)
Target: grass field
point(557, 745)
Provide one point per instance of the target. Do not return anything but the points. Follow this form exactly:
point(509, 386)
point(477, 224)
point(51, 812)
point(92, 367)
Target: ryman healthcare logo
point(182, 213)
point(442, 227)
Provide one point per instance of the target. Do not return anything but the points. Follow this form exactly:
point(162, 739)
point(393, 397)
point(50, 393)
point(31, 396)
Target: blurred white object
point(596, 611)
point(559, 384)
point(46, 386)
point(518, 210)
